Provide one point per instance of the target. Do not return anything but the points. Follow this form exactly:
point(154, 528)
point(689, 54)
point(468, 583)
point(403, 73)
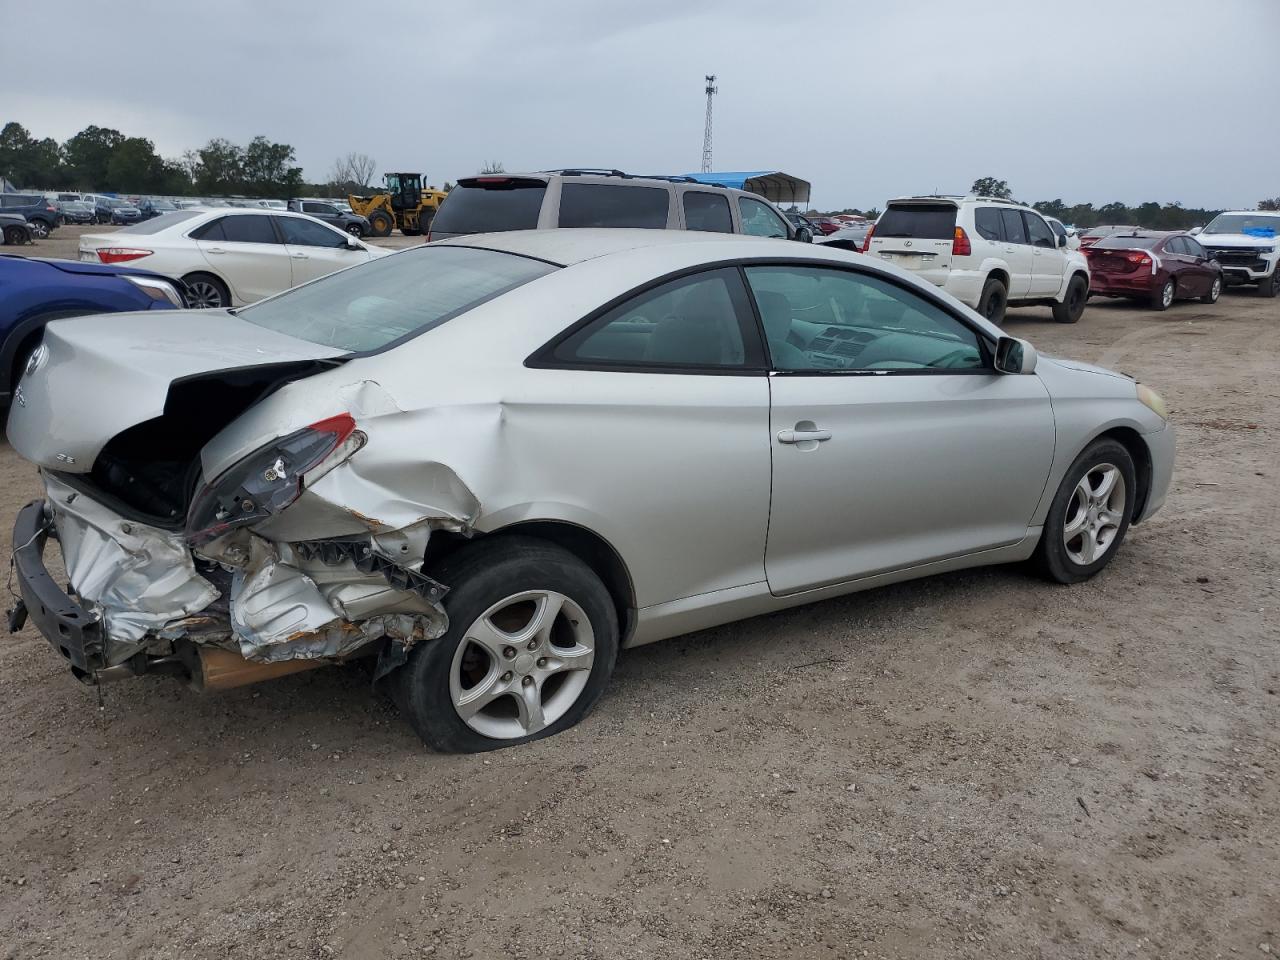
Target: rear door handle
point(299, 256)
point(216, 250)
point(800, 436)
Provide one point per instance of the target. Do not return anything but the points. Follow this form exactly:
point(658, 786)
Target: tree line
point(102, 159)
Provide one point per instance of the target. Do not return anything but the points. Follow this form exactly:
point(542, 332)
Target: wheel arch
point(1132, 441)
point(585, 544)
point(209, 271)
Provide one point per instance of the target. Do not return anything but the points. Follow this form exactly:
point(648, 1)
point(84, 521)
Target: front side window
point(306, 233)
point(986, 220)
point(707, 211)
point(390, 299)
point(693, 322)
point(1014, 232)
point(1058, 229)
point(817, 319)
point(1038, 231)
point(759, 220)
point(607, 205)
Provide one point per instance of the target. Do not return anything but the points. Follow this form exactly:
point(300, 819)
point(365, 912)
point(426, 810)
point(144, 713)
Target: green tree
point(28, 162)
point(88, 153)
point(1272, 204)
point(991, 187)
point(1052, 208)
point(268, 169)
point(134, 167)
point(220, 168)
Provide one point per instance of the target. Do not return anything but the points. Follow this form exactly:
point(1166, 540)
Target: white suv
point(1247, 245)
point(986, 252)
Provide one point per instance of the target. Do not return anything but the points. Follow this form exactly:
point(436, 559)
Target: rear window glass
point(925, 221)
point(386, 300)
point(162, 222)
point(1127, 243)
point(604, 205)
point(507, 204)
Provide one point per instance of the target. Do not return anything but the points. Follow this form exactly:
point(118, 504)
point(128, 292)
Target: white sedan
point(230, 257)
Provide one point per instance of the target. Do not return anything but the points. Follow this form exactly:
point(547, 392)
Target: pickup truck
point(1246, 243)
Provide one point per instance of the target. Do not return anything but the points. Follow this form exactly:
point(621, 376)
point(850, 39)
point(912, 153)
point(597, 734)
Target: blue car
point(34, 291)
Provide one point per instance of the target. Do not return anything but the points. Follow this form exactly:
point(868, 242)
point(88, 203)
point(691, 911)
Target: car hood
point(1082, 367)
point(1235, 240)
point(101, 374)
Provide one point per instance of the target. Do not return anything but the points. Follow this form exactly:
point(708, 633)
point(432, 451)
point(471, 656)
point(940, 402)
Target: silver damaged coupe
point(490, 462)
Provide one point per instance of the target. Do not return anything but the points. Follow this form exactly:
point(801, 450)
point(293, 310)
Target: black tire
point(204, 290)
point(1270, 287)
point(1163, 298)
point(380, 223)
point(1214, 292)
point(1052, 559)
point(1072, 305)
point(16, 236)
point(994, 301)
point(479, 576)
point(355, 229)
point(411, 232)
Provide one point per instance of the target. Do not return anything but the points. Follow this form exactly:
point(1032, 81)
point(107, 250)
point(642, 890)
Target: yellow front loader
point(405, 205)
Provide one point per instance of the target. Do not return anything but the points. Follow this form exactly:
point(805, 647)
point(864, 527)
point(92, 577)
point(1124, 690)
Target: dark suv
point(604, 198)
point(353, 223)
point(41, 214)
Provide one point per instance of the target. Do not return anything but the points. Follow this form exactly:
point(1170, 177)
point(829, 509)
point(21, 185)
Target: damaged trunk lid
point(93, 378)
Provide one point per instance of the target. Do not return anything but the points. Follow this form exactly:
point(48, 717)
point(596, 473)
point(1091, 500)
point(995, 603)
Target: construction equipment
point(405, 205)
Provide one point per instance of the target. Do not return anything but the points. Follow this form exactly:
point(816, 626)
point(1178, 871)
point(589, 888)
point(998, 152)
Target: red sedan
point(1156, 267)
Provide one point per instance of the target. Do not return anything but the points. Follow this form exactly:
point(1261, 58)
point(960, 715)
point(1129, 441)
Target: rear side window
point(923, 221)
point(707, 211)
point(693, 322)
point(250, 229)
point(986, 220)
point(490, 205)
point(606, 205)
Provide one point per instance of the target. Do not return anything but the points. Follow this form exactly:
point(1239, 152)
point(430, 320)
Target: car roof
point(569, 246)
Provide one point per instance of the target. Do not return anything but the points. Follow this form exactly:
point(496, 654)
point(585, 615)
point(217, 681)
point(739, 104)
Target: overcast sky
point(1087, 100)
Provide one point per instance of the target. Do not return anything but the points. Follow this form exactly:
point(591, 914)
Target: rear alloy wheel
point(380, 223)
point(1162, 299)
point(531, 643)
point(39, 229)
point(1214, 292)
point(1072, 305)
point(355, 229)
point(1089, 515)
point(206, 292)
point(994, 300)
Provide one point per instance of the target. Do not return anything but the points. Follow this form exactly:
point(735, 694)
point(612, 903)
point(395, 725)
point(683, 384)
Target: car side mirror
point(804, 235)
point(353, 244)
point(1062, 240)
point(1015, 356)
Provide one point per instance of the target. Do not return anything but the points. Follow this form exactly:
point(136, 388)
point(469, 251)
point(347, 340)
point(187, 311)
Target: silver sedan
point(491, 462)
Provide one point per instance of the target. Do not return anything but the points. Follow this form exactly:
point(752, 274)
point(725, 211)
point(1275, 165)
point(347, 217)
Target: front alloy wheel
point(1095, 514)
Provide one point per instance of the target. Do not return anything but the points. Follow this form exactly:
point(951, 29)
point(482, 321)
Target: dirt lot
point(977, 765)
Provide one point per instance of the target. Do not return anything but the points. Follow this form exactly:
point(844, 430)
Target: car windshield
point(395, 297)
point(162, 205)
point(1252, 224)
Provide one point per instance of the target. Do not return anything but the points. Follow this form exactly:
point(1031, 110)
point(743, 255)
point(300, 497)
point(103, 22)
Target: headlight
point(1153, 401)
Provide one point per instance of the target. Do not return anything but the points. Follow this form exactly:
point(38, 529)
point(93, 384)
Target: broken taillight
point(269, 479)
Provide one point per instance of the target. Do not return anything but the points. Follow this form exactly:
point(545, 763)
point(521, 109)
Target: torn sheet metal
point(317, 601)
point(137, 576)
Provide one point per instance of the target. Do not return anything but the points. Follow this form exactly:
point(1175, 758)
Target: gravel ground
point(977, 765)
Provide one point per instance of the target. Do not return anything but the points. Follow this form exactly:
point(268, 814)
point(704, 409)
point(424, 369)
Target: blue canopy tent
point(773, 185)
